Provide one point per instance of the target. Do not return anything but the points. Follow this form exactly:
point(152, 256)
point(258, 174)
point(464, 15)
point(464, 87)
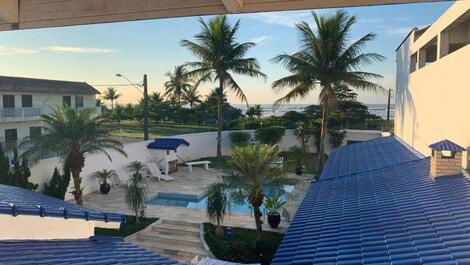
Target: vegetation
point(308, 161)
point(275, 205)
point(191, 97)
point(130, 227)
point(111, 94)
point(337, 137)
point(270, 135)
point(16, 174)
point(217, 205)
point(72, 135)
point(179, 84)
point(328, 61)
point(220, 56)
point(254, 111)
point(57, 186)
point(104, 175)
point(136, 195)
point(133, 129)
point(243, 247)
point(240, 138)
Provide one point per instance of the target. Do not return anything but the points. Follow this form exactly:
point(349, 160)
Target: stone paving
point(186, 182)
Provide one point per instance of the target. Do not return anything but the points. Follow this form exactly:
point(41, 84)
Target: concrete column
point(443, 44)
point(421, 58)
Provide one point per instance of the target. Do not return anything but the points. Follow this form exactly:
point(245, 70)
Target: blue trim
point(167, 143)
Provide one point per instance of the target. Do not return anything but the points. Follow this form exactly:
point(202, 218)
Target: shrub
point(270, 135)
point(240, 138)
point(57, 186)
point(337, 137)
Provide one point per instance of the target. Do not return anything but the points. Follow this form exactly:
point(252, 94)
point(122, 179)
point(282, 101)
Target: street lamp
point(146, 102)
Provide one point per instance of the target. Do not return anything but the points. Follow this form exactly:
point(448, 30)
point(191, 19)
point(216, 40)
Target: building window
point(78, 101)
point(27, 101)
point(413, 62)
point(447, 154)
point(67, 101)
point(8, 101)
point(11, 135)
point(34, 131)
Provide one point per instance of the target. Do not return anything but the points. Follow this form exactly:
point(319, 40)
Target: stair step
point(180, 223)
point(166, 249)
point(175, 229)
point(170, 238)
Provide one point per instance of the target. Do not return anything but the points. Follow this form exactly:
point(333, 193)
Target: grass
point(133, 129)
point(129, 228)
point(243, 247)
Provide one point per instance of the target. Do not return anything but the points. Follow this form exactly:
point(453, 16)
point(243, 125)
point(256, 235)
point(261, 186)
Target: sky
point(96, 53)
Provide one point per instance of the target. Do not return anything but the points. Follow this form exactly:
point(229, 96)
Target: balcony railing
point(19, 114)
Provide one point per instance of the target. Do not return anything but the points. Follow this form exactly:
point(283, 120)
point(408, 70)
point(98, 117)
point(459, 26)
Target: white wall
point(201, 145)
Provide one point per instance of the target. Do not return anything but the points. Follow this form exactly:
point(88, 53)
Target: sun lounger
point(191, 164)
point(154, 171)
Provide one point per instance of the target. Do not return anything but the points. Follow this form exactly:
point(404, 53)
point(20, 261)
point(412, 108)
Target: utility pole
point(388, 109)
point(146, 110)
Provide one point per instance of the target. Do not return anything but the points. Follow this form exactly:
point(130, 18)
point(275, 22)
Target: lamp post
point(146, 102)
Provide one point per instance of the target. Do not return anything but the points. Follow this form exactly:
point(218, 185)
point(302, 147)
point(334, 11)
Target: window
point(8, 101)
point(34, 131)
point(11, 135)
point(447, 154)
point(413, 62)
point(78, 101)
point(26, 101)
point(67, 101)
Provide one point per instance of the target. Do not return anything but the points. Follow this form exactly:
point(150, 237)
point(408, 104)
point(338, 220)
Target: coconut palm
point(251, 169)
point(179, 83)
point(191, 97)
point(220, 56)
point(72, 135)
point(136, 195)
point(327, 59)
point(111, 94)
point(104, 176)
point(217, 205)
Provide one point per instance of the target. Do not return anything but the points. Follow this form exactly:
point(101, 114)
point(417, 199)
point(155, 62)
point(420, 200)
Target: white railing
point(19, 114)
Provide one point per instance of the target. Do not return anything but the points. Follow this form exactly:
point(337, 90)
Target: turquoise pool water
point(192, 201)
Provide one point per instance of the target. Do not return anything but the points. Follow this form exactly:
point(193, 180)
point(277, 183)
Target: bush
point(337, 137)
point(57, 186)
point(270, 135)
point(240, 138)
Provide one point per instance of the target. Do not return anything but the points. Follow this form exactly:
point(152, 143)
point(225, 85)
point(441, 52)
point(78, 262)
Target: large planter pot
point(105, 188)
point(274, 219)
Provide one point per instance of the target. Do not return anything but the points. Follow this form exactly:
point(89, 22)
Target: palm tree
point(327, 59)
point(111, 94)
point(136, 195)
point(251, 169)
point(220, 56)
point(191, 97)
point(217, 205)
point(254, 111)
point(72, 135)
point(179, 83)
point(104, 175)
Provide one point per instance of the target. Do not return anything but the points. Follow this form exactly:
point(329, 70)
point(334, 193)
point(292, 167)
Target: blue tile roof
point(92, 251)
point(368, 155)
point(446, 145)
point(395, 214)
point(167, 143)
point(18, 201)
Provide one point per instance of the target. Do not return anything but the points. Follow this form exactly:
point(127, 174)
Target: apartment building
point(433, 82)
point(23, 100)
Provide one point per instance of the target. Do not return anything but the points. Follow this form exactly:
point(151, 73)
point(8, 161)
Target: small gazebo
point(164, 152)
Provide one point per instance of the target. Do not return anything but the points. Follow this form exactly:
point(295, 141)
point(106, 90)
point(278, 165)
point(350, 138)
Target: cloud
point(260, 39)
point(287, 19)
point(79, 49)
point(5, 50)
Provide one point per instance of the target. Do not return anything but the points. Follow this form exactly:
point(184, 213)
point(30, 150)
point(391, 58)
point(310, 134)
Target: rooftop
point(387, 212)
point(95, 250)
point(17, 201)
point(446, 145)
point(23, 84)
point(167, 143)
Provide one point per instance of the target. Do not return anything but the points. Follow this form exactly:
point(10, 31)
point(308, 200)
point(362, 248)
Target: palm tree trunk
point(220, 118)
point(259, 222)
point(77, 193)
point(112, 103)
point(324, 129)
point(137, 219)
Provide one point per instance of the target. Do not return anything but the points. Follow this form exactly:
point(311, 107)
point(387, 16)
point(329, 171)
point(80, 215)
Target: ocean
point(268, 110)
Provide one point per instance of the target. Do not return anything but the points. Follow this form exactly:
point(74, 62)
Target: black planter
point(274, 219)
point(298, 171)
point(105, 188)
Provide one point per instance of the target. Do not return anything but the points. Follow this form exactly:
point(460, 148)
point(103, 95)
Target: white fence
point(201, 145)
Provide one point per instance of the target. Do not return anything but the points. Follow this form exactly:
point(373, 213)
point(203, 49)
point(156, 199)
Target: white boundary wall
point(201, 145)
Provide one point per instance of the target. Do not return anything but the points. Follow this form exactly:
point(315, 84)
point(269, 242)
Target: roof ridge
point(43, 79)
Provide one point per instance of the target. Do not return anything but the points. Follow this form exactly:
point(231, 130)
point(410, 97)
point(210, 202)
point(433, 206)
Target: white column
point(443, 44)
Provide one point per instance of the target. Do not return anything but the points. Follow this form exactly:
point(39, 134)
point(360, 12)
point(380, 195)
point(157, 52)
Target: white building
point(433, 82)
point(23, 100)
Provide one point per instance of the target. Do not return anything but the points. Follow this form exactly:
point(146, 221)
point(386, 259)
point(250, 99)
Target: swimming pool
point(195, 202)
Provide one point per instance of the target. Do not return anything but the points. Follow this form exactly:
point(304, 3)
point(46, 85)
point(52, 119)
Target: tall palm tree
point(72, 135)
point(111, 94)
point(220, 56)
point(179, 83)
point(251, 169)
point(191, 97)
point(327, 59)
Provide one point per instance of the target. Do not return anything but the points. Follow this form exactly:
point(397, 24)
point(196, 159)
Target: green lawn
point(242, 248)
point(133, 129)
point(129, 228)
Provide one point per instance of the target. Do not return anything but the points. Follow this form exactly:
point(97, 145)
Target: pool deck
point(186, 182)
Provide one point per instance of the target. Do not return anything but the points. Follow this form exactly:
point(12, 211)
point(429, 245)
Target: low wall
point(202, 145)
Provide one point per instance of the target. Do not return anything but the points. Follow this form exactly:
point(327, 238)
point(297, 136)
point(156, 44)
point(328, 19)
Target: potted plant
point(274, 205)
point(104, 176)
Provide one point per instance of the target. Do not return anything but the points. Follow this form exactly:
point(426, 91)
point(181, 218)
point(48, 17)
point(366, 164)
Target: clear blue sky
point(95, 53)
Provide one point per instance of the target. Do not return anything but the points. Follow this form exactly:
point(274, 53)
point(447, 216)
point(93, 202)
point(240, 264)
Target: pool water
point(195, 202)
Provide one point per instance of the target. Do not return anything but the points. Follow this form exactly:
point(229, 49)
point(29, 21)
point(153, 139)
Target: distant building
point(23, 100)
point(433, 82)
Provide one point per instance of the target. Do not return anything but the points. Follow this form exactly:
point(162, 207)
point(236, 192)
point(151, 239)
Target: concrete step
point(175, 229)
point(182, 223)
point(189, 240)
point(167, 249)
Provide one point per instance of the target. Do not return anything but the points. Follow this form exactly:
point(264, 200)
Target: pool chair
point(209, 261)
point(154, 171)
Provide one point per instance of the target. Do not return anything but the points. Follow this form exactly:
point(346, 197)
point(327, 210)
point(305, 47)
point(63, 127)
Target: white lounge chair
point(154, 171)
